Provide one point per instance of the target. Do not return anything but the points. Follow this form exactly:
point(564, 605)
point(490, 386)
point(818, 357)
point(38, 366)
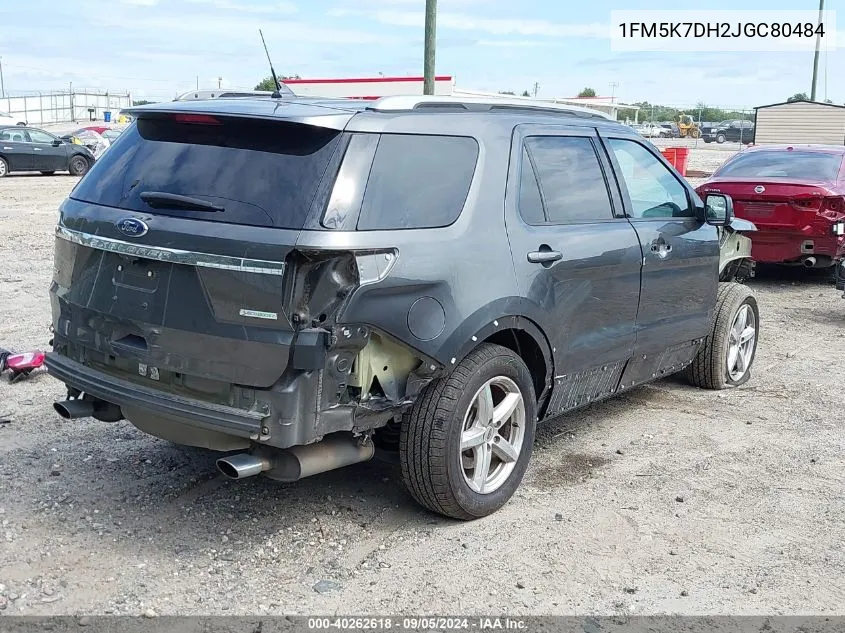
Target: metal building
point(799, 122)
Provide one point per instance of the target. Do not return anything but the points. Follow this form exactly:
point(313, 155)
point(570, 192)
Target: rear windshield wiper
point(162, 199)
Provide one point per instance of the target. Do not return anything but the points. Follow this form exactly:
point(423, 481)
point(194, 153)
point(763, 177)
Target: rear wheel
point(78, 166)
point(465, 445)
point(720, 139)
point(728, 352)
point(4, 167)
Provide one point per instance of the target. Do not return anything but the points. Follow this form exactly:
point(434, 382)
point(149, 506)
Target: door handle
point(37, 149)
point(8, 148)
point(544, 257)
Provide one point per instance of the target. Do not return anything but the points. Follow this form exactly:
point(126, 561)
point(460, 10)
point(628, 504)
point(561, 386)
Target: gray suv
point(296, 282)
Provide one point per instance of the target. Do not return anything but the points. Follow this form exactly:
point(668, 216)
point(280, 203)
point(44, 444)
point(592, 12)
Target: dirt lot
point(668, 499)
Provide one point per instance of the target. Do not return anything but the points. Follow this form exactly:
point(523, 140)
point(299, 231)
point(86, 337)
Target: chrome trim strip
point(172, 255)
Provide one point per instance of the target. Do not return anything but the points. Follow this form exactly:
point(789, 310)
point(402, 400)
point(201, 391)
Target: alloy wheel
point(493, 434)
point(741, 342)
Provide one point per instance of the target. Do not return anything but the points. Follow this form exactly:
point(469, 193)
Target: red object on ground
point(678, 157)
point(20, 364)
point(795, 195)
point(681, 159)
point(99, 129)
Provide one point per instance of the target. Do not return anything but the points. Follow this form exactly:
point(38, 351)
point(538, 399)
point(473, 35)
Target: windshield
point(783, 164)
point(262, 173)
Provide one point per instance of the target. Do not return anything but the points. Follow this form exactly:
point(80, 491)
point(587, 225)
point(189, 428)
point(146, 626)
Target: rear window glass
point(262, 173)
point(418, 181)
point(783, 164)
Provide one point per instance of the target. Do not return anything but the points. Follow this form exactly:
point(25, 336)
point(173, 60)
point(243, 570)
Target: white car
point(8, 119)
point(652, 130)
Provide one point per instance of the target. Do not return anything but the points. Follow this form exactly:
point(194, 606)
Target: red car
point(795, 195)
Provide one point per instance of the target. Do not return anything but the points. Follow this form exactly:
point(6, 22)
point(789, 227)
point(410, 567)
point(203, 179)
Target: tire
point(48, 173)
point(720, 139)
point(4, 168)
point(710, 368)
point(450, 413)
point(78, 165)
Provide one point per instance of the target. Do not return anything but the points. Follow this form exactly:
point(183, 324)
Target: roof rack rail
point(406, 103)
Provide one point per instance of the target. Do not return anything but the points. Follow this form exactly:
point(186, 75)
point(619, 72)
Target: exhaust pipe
point(242, 465)
point(299, 461)
point(88, 408)
point(73, 409)
point(809, 262)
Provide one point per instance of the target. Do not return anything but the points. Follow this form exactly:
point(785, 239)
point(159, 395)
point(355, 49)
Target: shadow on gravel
point(770, 275)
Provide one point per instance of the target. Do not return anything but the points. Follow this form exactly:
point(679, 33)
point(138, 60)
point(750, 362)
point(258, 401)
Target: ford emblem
point(759, 189)
point(132, 227)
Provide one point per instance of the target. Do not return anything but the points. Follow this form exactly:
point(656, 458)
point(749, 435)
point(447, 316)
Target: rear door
point(15, 146)
point(175, 255)
point(680, 271)
point(45, 155)
point(577, 258)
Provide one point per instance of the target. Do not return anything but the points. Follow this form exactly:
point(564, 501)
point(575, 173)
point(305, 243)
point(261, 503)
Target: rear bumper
point(205, 415)
point(772, 246)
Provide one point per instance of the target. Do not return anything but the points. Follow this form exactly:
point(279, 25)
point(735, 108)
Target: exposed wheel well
point(529, 351)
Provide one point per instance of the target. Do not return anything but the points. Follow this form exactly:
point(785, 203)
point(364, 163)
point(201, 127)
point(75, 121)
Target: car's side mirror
point(718, 209)
point(57, 142)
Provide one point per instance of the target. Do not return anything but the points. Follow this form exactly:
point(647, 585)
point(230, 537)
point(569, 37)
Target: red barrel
point(669, 153)
point(681, 159)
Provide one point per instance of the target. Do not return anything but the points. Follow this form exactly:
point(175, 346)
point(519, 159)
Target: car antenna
point(277, 93)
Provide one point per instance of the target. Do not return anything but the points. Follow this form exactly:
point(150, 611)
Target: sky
point(158, 48)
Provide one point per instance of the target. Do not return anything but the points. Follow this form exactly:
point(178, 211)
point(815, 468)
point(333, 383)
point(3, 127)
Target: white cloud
point(140, 3)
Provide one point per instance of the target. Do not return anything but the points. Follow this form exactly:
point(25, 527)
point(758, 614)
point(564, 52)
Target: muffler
point(809, 262)
point(88, 408)
point(299, 461)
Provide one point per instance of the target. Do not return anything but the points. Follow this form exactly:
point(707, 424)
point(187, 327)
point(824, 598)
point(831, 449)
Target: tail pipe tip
point(242, 465)
point(810, 262)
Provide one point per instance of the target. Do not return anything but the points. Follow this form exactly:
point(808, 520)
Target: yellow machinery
point(687, 127)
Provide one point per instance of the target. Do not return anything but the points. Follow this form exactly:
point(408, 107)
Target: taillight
point(834, 204)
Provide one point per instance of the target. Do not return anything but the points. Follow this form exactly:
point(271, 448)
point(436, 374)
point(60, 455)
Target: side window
point(571, 180)
point(654, 190)
point(418, 181)
point(16, 135)
point(530, 200)
point(38, 136)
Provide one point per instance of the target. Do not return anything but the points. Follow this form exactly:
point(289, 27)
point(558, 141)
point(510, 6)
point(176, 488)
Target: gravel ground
point(666, 500)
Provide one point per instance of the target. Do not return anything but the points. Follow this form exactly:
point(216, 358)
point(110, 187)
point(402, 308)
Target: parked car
point(8, 119)
point(654, 130)
point(94, 141)
point(108, 133)
point(736, 131)
point(287, 292)
point(30, 149)
point(795, 195)
point(674, 130)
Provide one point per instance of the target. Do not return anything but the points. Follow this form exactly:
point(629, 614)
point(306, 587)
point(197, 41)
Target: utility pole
point(536, 88)
point(198, 82)
point(2, 83)
point(613, 86)
point(816, 54)
point(219, 82)
point(429, 46)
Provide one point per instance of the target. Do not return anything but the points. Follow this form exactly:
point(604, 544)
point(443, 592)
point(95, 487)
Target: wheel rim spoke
point(472, 437)
point(733, 353)
point(747, 334)
point(485, 405)
point(481, 469)
point(504, 450)
point(504, 410)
